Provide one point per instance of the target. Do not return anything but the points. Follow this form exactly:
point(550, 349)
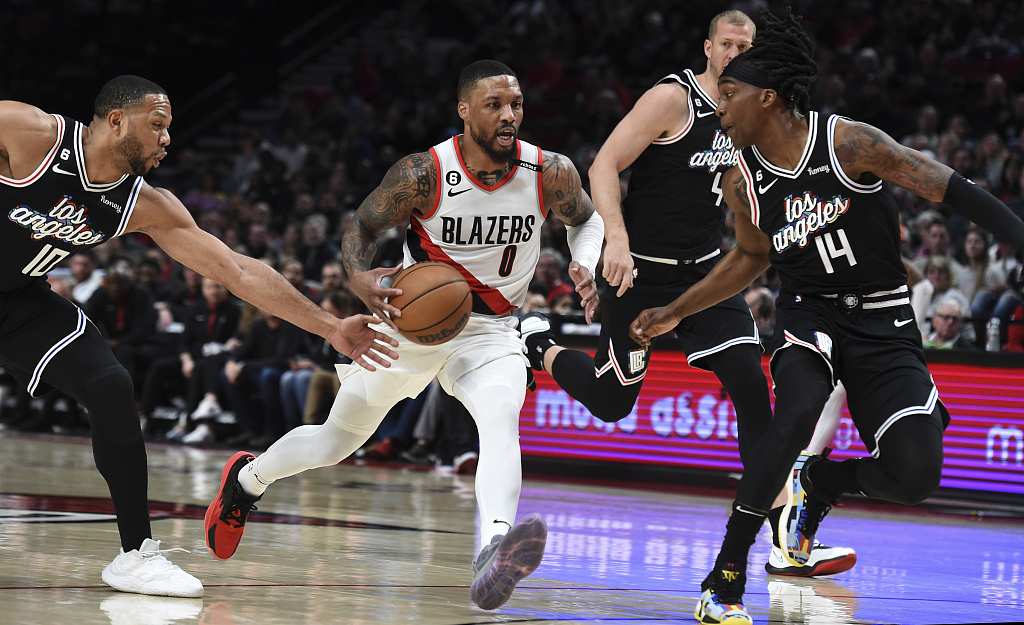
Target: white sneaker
point(176, 433)
point(202, 434)
point(147, 572)
point(141, 610)
point(207, 409)
point(824, 560)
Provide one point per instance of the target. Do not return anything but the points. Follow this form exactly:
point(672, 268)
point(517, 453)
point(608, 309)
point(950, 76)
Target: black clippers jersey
point(56, 211)
point(674, 205)
point(829, 233)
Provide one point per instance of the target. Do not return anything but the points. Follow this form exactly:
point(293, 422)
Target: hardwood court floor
point(371, 544)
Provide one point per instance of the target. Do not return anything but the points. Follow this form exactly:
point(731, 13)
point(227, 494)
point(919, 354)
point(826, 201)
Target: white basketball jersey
point(491, 234)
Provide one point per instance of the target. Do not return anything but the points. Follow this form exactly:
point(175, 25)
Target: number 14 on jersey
point(825, 241)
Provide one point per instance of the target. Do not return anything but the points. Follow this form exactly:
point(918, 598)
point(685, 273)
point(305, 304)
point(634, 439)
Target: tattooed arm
point(565, 198)
point(863, 148)
point(734, 273)
point(407, 187)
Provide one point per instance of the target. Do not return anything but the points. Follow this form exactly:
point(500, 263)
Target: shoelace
point(812, 516)
point(730, 593)
point(238, 510)
point(156, 556)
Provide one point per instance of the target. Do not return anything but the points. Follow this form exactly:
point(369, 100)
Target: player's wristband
point(984, 209)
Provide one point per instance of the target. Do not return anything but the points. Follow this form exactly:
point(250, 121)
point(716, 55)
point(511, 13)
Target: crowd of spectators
point(941, 76)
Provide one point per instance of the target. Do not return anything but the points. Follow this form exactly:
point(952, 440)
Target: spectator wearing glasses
point(947, 322)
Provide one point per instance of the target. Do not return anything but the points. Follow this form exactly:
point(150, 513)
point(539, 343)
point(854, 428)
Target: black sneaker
point(417, 454)
point(537, 338)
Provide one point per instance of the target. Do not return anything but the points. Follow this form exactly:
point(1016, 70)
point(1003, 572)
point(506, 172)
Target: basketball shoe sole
point(502, 565)
point(822, 561)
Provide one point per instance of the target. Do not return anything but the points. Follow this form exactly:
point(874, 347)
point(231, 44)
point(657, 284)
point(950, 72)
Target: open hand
point(586, 287)
point(355, 338)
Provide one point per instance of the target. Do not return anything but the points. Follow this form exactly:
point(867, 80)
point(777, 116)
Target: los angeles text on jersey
point(721, 154)
point(487, 230)
point(806, 215)
point(66, 221)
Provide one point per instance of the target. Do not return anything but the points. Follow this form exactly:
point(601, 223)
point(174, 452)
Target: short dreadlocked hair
point(477, 71)
point(784, 51)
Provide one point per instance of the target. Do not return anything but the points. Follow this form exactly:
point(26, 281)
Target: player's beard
point(131, 148)
point(498, 155)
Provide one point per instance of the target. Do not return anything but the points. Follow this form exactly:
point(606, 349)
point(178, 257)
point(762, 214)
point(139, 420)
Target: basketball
point(435, 302)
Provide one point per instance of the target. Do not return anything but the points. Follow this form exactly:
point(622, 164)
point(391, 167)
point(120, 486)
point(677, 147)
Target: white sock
point(497, 528)
point(828, 422)
point(249, 478)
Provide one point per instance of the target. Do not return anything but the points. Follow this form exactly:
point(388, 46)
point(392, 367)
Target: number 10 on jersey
point(45, 260)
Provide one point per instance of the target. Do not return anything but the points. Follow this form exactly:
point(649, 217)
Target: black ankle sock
point(832, 479)
point(774, 516)
point(740, 534)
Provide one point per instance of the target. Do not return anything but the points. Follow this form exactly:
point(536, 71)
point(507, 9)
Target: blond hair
point(734, 17)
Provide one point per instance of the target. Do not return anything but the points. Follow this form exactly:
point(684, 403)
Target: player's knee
point(613, 402)
point(916, 481)
point(109, 396)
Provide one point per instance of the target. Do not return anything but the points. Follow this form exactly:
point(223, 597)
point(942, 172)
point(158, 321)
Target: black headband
point(749, 74)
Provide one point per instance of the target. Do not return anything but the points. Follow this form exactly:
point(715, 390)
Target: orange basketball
point(435, 302)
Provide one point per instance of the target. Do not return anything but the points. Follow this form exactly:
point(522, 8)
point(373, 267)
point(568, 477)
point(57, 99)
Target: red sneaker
point(225, 518)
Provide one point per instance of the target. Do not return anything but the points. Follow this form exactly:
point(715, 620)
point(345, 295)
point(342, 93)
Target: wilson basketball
point(435, 302)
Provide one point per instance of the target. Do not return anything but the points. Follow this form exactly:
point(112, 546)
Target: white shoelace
point(158, 552)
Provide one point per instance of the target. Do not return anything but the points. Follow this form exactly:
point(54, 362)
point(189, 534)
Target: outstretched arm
point(862, 148)
point(160, 215)
point(661, 111)
point(565, 198)
point(408, 186)
point(734, 273)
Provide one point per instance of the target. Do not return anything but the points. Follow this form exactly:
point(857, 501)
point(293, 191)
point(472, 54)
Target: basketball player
point(663, 237)
point(67, 187)
point(476, 202)
point(811, 198)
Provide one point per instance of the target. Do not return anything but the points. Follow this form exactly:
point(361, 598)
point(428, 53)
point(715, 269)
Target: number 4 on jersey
point(833, 252)
point(45, 260)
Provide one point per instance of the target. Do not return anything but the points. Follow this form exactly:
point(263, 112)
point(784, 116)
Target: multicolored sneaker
point(226, 516)
point(802, 512)
point(507, 560)
point(721, 600)
point(824, 560)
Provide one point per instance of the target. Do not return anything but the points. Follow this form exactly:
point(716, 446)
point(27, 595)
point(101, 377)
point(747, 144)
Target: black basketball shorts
point(876, 353)
point(657, 284)
point(35, 325)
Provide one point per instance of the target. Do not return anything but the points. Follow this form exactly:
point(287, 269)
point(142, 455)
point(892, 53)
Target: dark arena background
point(287, 115)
